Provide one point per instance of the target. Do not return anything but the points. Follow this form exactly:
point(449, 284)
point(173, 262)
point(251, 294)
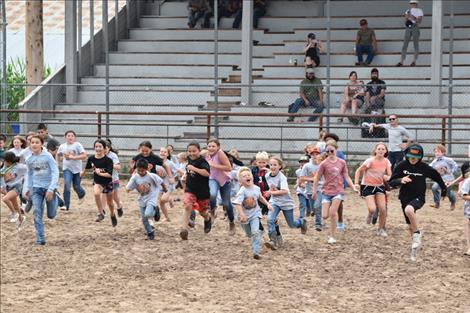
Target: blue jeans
point(257, 13)
point(315, 206)
point(251, 229)
point(288, 215)
point(147, 212)
point(361, 49)
point(395, 157)
point(436, 194)
point(304, 205)
point(300, 103)
point(225, 192)
point(194, 16)
point(71, 179)
point(38, 196)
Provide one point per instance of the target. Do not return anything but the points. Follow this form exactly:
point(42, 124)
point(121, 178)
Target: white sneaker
point(151, 222)
point(416, 241)
point(382, 233)
point(331, 240)
point(365, 125)
point(20, 222)
point(13, 217)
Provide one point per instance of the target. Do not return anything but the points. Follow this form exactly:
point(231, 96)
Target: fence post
point(208, 135)
point(99, 124)
point(443, 131)
point(320, 123)
point(282, 151)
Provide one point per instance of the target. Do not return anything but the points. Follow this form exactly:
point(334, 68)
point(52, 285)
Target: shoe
point(340, 120)
point(413, 63)
point(290, 119)
point(452, 206)
point(151, 223)
point(99, 217)
point(28, 206)
point(434, 205)
point(369, 218)
point(231, 228)
point(41, 243)
point(20, 222)
point(81, 200)
point(331, 240)
point(318, 228)
point(399, 64)
point(184, 234)
point(303, 227)
point(207, 225)
point(365, 125)
point(120, 212)
point(271, 245)
point(382, 233)
point(358, 63)
point(62, 208)
point(340, 226)
point(279, 241)
point(256, 256)
point(151, 236)
point(416, 241)
point(13, 217)
point(114, 220)
point(156, 217)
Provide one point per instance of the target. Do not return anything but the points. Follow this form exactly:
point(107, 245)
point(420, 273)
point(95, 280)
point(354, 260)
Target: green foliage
point(16, 91)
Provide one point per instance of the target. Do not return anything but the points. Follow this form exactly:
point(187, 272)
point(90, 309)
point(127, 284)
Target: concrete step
point(171, 83)
point(185, 34)
point(166, 70)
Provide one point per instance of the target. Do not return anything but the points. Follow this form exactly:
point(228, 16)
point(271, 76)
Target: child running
point(280, 200)
point(148, 186)
point(334, 170)
point(308, 175)
point(165, 198)
point(18, 144)
point(72, 153)
point(249, 212)
point(465, 194)
point(102, 179)
point(113, 155)
point(377, 170)
point(11, 185)
point(197, 193)
point(410, 175)
point(301, 188)
point(446, 167)
point(43, 178)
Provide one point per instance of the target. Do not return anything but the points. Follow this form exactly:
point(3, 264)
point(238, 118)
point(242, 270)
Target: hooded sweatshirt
point(416, 189)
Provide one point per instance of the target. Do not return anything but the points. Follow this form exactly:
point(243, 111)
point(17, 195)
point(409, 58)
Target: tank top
point(222, 177)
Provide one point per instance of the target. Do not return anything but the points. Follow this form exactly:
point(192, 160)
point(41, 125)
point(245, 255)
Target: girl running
point(11, 184)
point(43, 178)
point(18, 144)
point(72, 153)
point(376, 170)
point(333, 170)
point(165, 198)
point(280, 200)
point(113, 155)
point(102, 179)
point(249, 212)
point(145, 152)
point(197, 192)
point(148, 185)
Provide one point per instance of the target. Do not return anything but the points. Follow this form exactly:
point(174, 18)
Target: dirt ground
point(90, 267)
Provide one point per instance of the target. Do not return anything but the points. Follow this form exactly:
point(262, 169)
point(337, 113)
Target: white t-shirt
point(75, 166)
point(113, 156)
point(279, 182)
point(152, 181)
point(254, 194)
point(416, 12)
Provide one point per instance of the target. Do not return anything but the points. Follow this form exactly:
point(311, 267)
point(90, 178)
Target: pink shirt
point(375, 171)
point(222, 177)
point(333, 174)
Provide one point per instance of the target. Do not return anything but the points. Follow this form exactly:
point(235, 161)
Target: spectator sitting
point(198, 9)
point(353, 95)
point(226, 8)
point(375, 93)
point(413, 17)
point(311, 95)
point(259, 9)
point(366, 42)
point(312, 51)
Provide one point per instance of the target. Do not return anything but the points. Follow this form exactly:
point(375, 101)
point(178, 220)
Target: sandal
point(399, 64)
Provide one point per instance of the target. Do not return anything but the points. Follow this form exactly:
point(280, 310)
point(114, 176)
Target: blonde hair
point(262, 155)
point(241, 170)
point(309, 145)
point(278, 160)
point(375, 148)
point(182, 155)
point(332, 143)
point(321, 135)
point(441, 148)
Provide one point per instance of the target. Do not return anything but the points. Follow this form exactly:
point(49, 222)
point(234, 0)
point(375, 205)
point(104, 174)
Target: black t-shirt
point(195, 183)
point(375, 87)
point(105, 164)
point(152, 159)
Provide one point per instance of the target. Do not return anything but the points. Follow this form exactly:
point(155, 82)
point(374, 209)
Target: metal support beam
point(247, 50)
point(451, 74)
point(116, 24)
point(216, 67)
point(328, 63)
point(79, 39)
point(106, 57)
point(436, 51)
point(92, 36)
point(71, 68)
point(3, 117)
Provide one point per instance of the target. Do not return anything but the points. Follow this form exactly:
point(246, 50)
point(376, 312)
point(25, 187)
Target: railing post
point(320, 123)
point(208, 135)
point(443, 131)
point(99, 124)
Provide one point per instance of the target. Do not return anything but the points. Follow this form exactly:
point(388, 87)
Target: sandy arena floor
point(90, 267)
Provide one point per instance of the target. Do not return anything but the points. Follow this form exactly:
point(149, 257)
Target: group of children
point(29, 172)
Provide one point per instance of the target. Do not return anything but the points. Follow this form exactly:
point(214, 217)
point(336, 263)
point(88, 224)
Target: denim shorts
point(17, 188)
point(328, 199)
point(116, 185)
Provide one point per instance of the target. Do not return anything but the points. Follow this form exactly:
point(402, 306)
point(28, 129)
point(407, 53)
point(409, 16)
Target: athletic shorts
point(198, 204)
point(328, 199)
point(107, 188)
point(371, 190)
point(415, 203)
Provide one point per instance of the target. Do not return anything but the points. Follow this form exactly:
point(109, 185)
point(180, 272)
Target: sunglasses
point(362, 24)
point(330, 151)
point(392, 119)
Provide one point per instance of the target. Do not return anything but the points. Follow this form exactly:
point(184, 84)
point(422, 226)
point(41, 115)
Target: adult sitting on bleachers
point(353, 95)
point(311, 95)
point(312, 51)
point(198, 9)
point(375, 93)
point(413, 17)
point(259, 9)
point(226, 8)
point(366, 42)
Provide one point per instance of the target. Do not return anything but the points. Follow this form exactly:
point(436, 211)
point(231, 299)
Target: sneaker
point(416, 241)
point(331, 240)
point(114, 220)
point(231, 228)
point(99, 217)
point(303, 227)
point(290, 119)
point(318, 227)
point(365, 125)
point(62, 208)
point(20, 222)
point(156, 217)
point(279, 241)
point(434, 205)
point(272, 244)
point(382, 233)
point(41, 243)
point(184, 234)
point(340, 226)
point(256, 256)
point(13, 217)
point(151, 236)
point(81, 200)
point(120, 212)
point(369, 218)
point(207, 225)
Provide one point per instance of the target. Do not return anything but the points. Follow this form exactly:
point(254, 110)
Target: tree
point(34, 44)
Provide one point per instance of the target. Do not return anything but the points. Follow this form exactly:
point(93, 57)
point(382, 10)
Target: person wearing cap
point(311, 95)
point(413, 17)
point(396, 135)
point(307, 175)
point(312, 51)
point(375, 92)
point(410, 175)
point(366, 42)
point(301, 189)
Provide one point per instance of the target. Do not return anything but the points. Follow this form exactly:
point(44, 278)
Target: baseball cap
point(315, 151)
point(309, 70)
point(303, 158)
point(414, 151)
point(374, 70)
point(414, 1)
